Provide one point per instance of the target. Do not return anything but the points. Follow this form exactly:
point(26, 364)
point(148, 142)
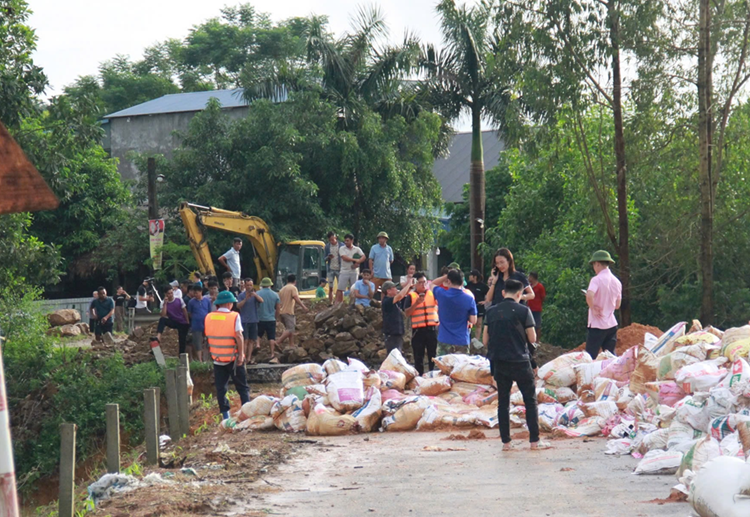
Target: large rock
point(344, 336)
point(348, 322)
point(359, 333)
point(344, 348)
point(337, 311)
point(84, 327)
point(313, 345)
point(296, 355)
point(69, 330)
point(64, 317)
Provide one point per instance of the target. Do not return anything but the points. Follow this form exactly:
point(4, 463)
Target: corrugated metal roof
point(181, 102)
point(453, 171)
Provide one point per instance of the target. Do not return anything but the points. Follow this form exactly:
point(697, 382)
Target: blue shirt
point(381, 261)
point(267, 309)
point(198, 310)
point(454, 308)
point(249, 311)
point(364, 290)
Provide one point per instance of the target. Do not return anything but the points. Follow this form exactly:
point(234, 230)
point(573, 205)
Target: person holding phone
point(503, 270)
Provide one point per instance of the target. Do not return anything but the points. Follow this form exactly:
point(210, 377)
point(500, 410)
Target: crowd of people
point(504, 314)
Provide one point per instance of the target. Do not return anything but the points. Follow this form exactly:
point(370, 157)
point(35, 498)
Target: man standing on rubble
point(231, 261)
point(603, 297)
point(381, 258)
point(422, 308)
point(227, 348)
point(508, 326)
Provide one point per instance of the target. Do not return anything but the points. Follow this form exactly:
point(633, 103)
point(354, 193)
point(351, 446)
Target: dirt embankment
point(628, 337)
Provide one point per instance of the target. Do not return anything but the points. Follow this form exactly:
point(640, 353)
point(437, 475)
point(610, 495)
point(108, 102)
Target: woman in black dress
point(505, 268)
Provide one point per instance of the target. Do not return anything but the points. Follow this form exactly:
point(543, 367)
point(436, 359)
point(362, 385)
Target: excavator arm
point(196, 218)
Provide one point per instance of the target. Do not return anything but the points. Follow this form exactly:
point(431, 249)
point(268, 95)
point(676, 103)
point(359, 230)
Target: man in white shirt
point(351, 257)
point(231, 261)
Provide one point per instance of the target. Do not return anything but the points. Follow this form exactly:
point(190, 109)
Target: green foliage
point(374, 175)
point(20, 79)
point(25, 260)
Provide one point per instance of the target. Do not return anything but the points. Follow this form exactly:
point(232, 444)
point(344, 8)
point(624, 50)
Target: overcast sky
point(74, 36)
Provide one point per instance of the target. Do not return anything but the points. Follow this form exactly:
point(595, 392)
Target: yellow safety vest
point(426, 315)
point(221, 335)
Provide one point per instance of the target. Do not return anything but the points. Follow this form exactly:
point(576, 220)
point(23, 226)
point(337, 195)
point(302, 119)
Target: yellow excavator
point(274, 260)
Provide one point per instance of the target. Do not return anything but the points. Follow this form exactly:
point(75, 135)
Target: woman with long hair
point(504, 268)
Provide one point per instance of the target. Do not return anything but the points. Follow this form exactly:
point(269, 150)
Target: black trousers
point(601, 339)
point(222, 374)
point(505, 374)
point(393, 341)
point(182, 330)
point(424, 339)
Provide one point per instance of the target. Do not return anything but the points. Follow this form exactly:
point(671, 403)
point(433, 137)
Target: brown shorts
point(380, 281)
point(289, 321)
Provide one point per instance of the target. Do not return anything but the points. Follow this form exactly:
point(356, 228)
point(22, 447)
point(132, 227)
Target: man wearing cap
point(603, 297)
point(268, 313)
point(393, 316)
point(381, 258)
point(227, 349)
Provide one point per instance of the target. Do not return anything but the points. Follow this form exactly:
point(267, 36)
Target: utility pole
point(153, 203)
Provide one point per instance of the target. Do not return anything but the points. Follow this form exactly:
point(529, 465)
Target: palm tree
point(351, 71)
point(466, 75)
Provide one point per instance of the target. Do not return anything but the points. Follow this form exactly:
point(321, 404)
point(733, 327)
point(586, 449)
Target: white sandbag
point(289, 415)
point(681, 357)
point(720, 402)
point(472, 372)
point(721, 489)
point(701, 376)
point(658, 462)
point(356, 364)
point(302, 375)
point(681, 433)
point(548, 416)
point(621, 368)
point(395, 362)
point(656, 440)
point(345, 390)
point(442, 417)
point(560, 371)
point(692, 411)
point(332, 366)
point(435, 386)
point(259, 406)
point(739, 375)
point(704, 450)
point(368, 415)
point(390, 380)
point(407, 416)
point(664, 344)
point(324, 421)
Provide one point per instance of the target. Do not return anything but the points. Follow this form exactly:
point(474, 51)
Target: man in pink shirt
point(603, 298)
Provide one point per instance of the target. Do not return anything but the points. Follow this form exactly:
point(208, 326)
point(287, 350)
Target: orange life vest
point(221, 335)
point(426, 315)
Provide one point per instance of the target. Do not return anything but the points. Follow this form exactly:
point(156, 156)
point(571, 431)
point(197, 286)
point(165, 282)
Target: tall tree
point(467, 74)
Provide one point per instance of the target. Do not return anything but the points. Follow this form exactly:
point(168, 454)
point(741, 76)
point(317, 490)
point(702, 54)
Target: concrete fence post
point(183, 400)
point(66, 505)
point(152, 435)
point(113, 438)
point(173, 407)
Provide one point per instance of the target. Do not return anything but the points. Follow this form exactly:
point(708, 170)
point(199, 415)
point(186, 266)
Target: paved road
point(390, 474)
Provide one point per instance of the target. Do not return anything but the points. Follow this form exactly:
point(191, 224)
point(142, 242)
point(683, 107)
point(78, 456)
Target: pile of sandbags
point(677, 402)
point(343, 398)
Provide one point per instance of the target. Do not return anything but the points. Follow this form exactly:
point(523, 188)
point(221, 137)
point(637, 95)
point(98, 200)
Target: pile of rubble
point(66, 323)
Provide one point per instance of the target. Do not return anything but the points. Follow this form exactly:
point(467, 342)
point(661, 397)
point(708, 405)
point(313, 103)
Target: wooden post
point(113, 438)
point(172, 405)
point(152, 435)
point(66, 506)
point(183, 401)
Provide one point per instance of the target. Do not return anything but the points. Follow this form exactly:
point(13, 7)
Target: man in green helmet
point(603, 297)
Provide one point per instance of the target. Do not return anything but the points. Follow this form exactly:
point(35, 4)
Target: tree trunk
point(705, 120)
point(623, 248)
point(476, 189)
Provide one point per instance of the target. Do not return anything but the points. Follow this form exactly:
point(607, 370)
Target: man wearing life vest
point(423, 311)
point(223, 330)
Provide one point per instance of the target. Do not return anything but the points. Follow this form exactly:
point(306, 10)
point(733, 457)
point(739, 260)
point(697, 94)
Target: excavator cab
point(304, 259)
